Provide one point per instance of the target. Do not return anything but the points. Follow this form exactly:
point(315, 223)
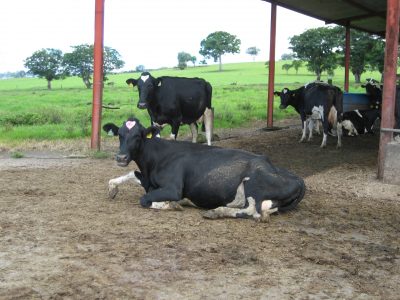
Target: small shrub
point(17, 154)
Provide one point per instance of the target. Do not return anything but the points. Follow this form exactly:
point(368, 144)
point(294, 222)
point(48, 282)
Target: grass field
point(29, 111)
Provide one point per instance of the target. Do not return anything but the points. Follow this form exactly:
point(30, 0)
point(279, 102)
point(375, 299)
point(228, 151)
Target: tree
point(296, 64)
point(46, 63)
point(287, 56)
point(361, 48)
point(217, 44)
point(183, 58)
point(316, 47)
point(286, 67)
point(193, 59)
point(140, 68)
point(80, 62)
point(253, 51)
point(376, 56)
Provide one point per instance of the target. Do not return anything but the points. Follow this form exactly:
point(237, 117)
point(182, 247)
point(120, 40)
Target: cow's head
point(147, 85)
point(131, 137)
point(374, 91)
point(285, 96)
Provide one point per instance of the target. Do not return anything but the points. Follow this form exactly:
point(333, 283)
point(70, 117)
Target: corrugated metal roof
point(365, 15)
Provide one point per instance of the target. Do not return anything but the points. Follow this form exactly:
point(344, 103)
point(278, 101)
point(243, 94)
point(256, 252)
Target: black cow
point(316, 101)
point(231, 183)
point(176, 101)
point(373, 90)
point(359, 121)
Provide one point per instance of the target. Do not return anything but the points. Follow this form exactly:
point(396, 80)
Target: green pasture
point(29, 111)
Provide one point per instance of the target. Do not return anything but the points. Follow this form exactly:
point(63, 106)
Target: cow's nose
point(141, 105)
point(121, 158)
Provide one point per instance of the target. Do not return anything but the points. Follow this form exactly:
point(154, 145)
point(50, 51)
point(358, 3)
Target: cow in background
point(358, 122)
point(176, 101)
point(316, 102)
point(373, 89)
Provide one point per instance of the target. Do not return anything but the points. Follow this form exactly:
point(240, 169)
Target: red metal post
point(347, 59)
point(271, 76)
point(389, 78)
point(97, 74)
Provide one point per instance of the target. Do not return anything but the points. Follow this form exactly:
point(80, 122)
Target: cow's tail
point(291, 203)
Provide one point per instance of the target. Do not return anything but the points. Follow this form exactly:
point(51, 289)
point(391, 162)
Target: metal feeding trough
point(352, 101)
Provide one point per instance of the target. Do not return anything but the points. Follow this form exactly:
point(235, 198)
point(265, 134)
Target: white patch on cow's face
point(285, 90)
point(317, 113)
point(130, 124)
point(110, 133)
point(144, 77)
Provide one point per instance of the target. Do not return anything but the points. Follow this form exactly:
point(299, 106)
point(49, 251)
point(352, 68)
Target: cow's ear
point(131, 81)
point(151, 132)
point(277, 93)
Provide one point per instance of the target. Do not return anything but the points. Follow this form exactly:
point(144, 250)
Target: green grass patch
point(29, 111)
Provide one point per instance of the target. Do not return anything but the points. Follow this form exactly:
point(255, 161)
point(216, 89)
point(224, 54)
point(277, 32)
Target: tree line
point(320, 49)
point(323, 50)
point(52, 64)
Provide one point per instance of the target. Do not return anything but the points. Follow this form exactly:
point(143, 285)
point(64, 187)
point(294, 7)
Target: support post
point(271, 76)
point(347, 59)
point(389, 84)
point(97, 74)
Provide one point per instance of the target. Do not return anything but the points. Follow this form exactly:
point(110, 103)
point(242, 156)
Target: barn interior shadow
point(282, 147)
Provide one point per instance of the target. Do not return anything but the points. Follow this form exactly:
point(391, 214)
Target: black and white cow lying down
point(176, 101)
point(228, 182)
point(358, 122)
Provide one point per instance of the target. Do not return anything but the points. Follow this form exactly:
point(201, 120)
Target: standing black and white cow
point(373, 90)
point(316, 102)
point(228, 182)
point(358, 122)
point(176, 101)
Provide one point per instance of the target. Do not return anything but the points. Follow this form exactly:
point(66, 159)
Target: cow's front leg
point(325, 133)
point(303, 137)
point(229, 212)
point(174, 130)
point(115, 182)
point(160, 195)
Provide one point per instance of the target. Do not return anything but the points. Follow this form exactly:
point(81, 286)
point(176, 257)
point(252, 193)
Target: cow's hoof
point(112, 191)
point(210, 214)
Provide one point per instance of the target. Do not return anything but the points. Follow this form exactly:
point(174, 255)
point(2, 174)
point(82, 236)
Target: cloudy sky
point(147, 32)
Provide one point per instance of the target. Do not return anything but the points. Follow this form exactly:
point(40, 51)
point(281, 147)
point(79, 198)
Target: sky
point(147, 32)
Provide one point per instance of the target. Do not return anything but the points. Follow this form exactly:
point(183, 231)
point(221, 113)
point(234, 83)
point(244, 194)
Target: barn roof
point(365, 15)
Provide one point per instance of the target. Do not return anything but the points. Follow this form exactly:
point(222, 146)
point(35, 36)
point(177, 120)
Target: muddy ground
point(62, 238)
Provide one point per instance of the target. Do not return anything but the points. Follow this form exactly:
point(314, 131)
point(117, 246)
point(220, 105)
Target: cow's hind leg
point(209, 124)
point(193, 129)
point(229, 212)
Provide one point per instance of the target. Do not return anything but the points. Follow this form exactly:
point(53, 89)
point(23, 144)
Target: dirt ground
point(62, 238)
